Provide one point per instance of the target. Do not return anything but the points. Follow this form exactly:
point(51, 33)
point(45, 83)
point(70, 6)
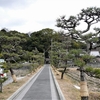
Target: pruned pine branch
point(69, 24)
point(90, 16)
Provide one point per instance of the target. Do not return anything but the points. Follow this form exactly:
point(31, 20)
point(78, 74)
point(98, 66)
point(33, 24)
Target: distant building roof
point(94, 53)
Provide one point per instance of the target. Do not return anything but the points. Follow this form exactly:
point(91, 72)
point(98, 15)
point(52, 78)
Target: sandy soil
point(9, 89)
point(67, 86)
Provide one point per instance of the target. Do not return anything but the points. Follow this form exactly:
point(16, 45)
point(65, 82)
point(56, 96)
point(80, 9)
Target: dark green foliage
point(42, 39)
point(79, 62)
point(19, 47)
point(87, 58)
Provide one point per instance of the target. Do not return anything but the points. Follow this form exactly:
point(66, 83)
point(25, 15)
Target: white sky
point(34, 15)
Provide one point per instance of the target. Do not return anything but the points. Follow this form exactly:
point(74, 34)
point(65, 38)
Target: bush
point(96, 71)
point(89, 69)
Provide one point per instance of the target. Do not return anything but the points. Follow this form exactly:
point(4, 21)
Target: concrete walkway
point(42, 87)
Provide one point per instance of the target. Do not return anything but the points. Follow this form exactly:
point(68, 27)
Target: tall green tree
point(42, 39)
point(88, 16)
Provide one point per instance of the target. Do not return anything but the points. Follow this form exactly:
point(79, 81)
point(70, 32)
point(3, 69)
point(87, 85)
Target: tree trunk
point(88, 47)
point(0, 84)
point(83, 86)
point(13, 75)
point(63, 73)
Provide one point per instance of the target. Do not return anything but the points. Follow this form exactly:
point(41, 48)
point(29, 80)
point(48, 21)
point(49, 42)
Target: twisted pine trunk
point(13, 75)
point(63, 73)
point(83, 85)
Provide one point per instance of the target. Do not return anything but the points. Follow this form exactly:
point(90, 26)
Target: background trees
point(18, 47)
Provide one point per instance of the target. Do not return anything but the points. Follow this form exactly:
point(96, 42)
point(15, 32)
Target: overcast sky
point(34, 15)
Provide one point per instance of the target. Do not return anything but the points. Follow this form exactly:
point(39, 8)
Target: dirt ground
point(9, 89)
point(66, 84)
point(69, 91)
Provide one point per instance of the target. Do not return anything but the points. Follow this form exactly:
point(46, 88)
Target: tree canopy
point(89, 16)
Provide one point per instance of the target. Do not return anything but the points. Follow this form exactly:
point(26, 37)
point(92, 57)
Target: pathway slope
point(40, 87)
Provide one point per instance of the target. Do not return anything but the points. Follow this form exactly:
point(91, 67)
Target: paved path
point(41, 87)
